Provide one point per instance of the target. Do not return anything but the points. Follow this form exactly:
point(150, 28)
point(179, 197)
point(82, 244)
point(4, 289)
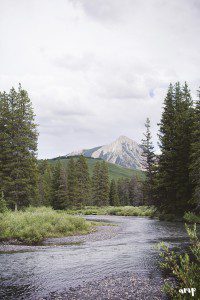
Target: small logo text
point(188, 290)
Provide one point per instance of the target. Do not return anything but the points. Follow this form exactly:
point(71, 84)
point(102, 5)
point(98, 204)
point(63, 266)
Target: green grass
point(115, 171)
point(191, 217)
point(34, 224)
point(142, 211)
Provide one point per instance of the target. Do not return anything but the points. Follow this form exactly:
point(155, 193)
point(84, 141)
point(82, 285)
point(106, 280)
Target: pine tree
point(104, 184)
point(195, 156)
point(72, 183)
point(120, 190)
point(83, 182)
point(166, 190)
point(96, 192)
point(3, 205)
point(45, 183)
point(59, 187)
point(5, 117)
point(149, 158)
point(176, 125)
point(113, 197)
point(19, 145)
point(135, 192)
point(184, 114)
point(100, 184)
point(123, 191)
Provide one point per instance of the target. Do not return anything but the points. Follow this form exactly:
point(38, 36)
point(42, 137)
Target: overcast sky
point(95, 69)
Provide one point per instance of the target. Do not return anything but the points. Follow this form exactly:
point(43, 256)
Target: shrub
point(35, 224)
point(118, 211)
point(191, 217)
point(184, 268)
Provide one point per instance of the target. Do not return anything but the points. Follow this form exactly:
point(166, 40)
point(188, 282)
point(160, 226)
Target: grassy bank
point(35, 224)
point(141, 211)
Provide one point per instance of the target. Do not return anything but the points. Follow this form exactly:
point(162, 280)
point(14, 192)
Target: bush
point(184, 268)
point(117, 211)
point(191, 217)
point(35, 224)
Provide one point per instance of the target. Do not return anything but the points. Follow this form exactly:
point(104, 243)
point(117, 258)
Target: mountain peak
point(123, 151)
point(123, 138)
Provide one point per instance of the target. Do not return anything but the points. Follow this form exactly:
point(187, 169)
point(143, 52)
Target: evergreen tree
point(96, 192)
point(184, 114)
point(135, 192)
point(100, 184)
point(83, 182)
point(72, 183)
point(120, 190)
point(3, 205)
point(5, 117)
point(149, 156)
point(123, 191)
point(59, 187)
point(176, 125)
point(195, 156)
point(113, 198)
point(166, 177)
point(45, 184)
point(18, 148)
point(104, 184)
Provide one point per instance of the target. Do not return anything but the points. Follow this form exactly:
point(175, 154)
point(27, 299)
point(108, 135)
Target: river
point(35, 274)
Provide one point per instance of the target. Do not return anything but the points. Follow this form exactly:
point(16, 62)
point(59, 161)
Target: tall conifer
point(195, 156)
point(18, 144)
point(72, 183)
point(149, 158)
point(113, 197)
point(83, 182)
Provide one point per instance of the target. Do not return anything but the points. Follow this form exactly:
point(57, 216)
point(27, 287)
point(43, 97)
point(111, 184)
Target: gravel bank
point(99, 233)
point(123, 286)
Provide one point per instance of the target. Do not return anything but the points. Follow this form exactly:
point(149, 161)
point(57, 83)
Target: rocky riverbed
point(123, 286)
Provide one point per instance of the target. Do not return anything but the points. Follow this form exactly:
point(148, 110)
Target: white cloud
point(96, 69)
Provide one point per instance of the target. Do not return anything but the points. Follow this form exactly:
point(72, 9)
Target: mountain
point(123, 152)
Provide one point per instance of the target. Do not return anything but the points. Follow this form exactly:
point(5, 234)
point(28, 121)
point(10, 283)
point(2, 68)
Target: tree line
point(72, 186)
point(25, 181)
point(173, 177)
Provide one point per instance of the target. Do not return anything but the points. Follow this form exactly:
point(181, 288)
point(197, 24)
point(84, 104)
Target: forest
point(172, 181)
point(39, 199)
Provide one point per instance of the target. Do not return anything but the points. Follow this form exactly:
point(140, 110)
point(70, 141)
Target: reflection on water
point(31, 275)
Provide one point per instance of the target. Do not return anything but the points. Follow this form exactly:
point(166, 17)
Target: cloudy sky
point(95, 69)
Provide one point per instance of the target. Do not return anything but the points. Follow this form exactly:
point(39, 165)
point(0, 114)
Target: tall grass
point(34, 224)
point(118, 211)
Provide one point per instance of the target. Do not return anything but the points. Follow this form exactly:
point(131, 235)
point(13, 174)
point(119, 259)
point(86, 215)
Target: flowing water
point(33, 275)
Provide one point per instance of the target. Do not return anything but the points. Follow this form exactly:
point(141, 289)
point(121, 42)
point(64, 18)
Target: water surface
point(32, 275)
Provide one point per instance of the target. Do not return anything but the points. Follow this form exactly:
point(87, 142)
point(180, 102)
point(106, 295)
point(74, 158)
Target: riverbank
point(34, 225)
point(140, 211)
point(97, 233)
